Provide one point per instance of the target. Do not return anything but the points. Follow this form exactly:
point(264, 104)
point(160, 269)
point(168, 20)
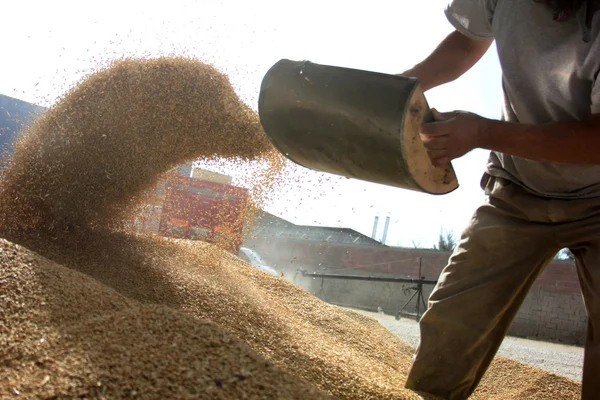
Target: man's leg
point(588, 268)
point(582, 236)
point(478, 295)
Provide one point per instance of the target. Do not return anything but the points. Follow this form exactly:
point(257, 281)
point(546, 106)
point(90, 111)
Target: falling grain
point(88, 160)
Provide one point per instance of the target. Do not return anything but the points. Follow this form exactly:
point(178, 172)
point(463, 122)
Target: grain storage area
point(91, 310)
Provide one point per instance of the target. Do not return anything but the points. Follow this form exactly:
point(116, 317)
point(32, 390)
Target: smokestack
point(385, 229)
point(375, 227)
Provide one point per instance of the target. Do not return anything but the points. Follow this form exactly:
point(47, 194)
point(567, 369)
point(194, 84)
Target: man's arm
point(454, 56)
point(455, 134)
point(571, 142)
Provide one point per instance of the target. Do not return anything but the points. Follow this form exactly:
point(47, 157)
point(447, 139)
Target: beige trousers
point(509, 241)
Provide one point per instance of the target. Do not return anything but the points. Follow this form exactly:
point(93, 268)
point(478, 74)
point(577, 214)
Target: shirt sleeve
point(473, 18)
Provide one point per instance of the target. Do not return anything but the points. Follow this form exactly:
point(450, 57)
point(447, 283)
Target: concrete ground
point(557, 358)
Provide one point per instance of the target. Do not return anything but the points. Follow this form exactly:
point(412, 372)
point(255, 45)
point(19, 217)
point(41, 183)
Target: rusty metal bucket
point(358, 124)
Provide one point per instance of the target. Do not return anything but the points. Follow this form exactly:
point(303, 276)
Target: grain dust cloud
point(90, 308)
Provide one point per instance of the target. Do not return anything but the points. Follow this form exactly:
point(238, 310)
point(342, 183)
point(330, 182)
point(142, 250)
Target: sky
point(50, 46)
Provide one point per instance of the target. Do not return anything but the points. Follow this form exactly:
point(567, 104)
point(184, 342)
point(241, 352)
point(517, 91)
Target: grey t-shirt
point(548, 74)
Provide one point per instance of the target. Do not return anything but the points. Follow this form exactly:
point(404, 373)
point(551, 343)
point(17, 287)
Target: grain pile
point(109, 346)
point(87, 310)
point(122, 277)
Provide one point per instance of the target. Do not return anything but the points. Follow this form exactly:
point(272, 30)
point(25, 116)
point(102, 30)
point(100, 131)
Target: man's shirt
point(549, 74)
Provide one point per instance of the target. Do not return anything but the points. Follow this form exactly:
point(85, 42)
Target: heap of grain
point(110, 346)
point(131, 314)
point(92, 312)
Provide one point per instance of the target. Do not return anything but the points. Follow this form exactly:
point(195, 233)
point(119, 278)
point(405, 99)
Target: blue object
point(14, 114)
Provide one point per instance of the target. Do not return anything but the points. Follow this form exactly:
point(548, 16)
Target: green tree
point(446, 241)
point(565, 254)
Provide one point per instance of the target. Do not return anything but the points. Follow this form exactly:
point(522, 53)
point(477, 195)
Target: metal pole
point(368, 278)
point(420, 290)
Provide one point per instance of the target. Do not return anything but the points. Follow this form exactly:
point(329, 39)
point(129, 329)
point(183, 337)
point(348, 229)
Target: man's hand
point(452, 135)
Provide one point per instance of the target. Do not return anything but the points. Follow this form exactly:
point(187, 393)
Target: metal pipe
point(367, 278)
point(420, 292)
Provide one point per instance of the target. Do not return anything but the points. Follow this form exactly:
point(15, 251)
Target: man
point(542, 181)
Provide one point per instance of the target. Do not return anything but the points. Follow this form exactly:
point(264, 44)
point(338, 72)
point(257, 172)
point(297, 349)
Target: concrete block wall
point(552, 311)
point(374, 296)
point(553, 316)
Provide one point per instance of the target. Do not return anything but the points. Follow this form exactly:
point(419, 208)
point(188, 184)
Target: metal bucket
point(353, 123)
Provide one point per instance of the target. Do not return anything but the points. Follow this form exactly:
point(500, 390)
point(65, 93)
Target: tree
point(446, 241)
point(565, 254)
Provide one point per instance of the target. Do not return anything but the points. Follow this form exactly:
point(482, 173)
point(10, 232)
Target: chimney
point(385, 229)
point(375, 227)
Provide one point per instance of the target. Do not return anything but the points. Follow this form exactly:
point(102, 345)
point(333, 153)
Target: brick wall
point(552, 311)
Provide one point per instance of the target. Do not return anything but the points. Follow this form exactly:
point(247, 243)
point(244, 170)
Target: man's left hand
point(452, 135)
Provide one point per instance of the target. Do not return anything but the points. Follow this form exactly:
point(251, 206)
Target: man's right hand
point(452, 135)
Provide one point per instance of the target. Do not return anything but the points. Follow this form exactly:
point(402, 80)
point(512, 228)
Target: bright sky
point(49, 45)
